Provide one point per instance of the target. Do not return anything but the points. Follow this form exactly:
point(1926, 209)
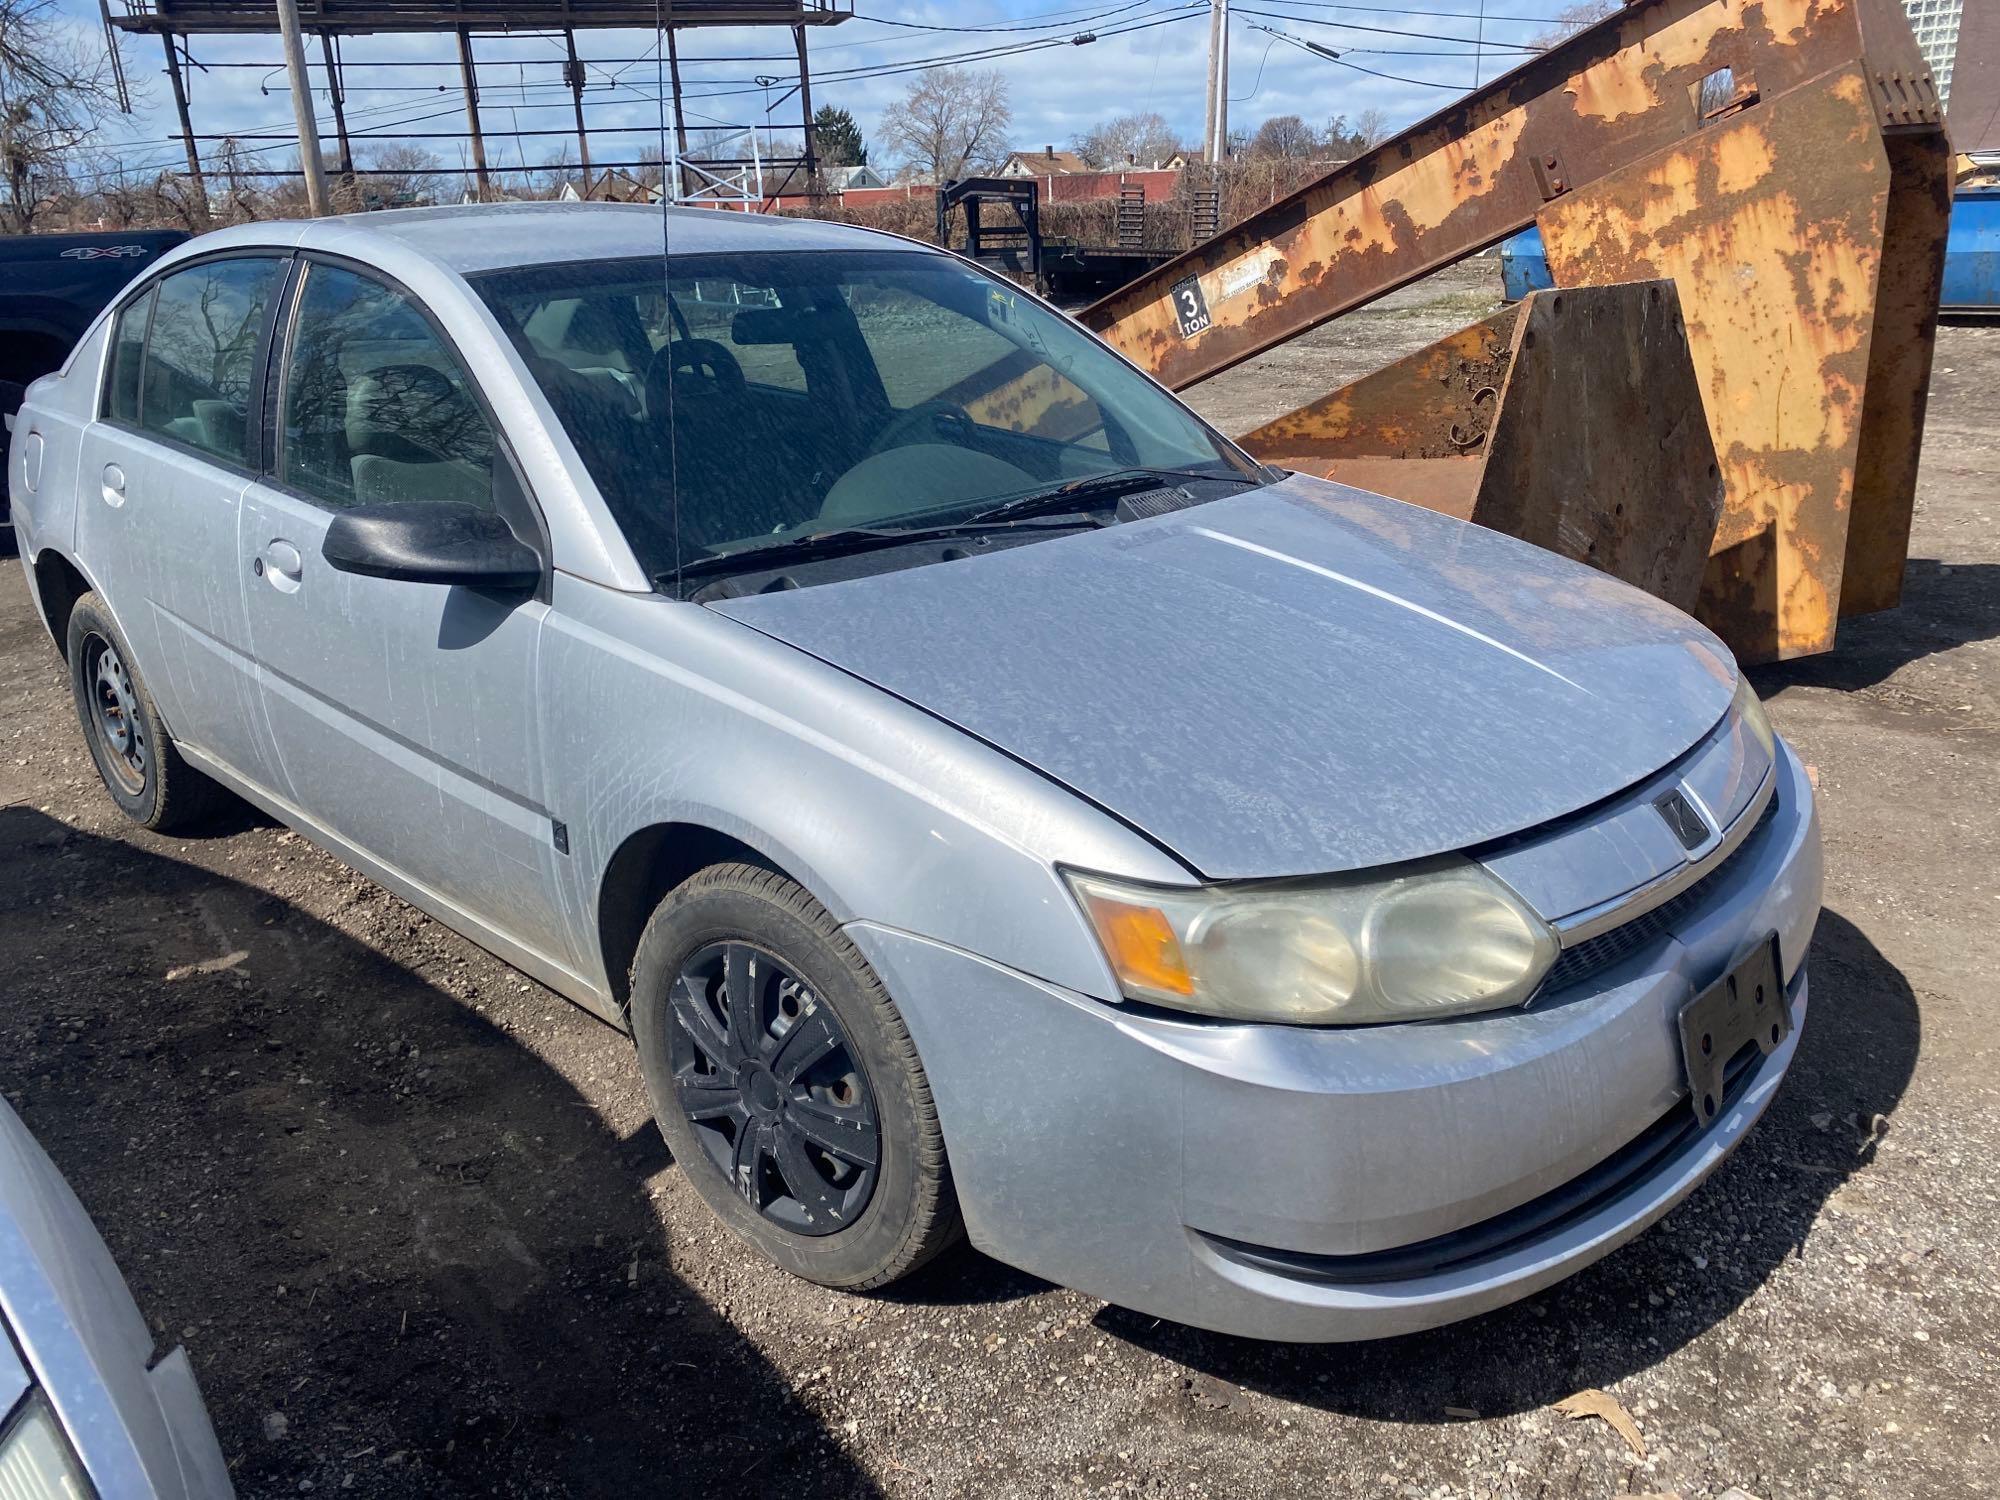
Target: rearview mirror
point(431, 542)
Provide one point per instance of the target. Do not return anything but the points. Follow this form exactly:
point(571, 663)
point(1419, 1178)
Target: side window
point(200, 353)
point(128, 348)
point(376, 409)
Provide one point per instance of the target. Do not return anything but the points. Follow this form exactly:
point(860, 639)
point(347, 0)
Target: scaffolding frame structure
point(176, 21)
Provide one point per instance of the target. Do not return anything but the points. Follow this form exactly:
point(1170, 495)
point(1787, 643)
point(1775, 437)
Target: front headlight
point(1435, 939)
point(36, 1462)
point(1750, 708)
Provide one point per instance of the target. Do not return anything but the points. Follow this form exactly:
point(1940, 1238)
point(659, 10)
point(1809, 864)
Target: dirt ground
point(408, 1214)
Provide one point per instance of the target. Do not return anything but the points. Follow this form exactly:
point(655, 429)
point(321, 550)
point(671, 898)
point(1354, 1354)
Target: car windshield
point(739, 400)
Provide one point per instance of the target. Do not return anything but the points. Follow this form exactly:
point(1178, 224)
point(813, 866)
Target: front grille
point(1626, 1171)
point(1594, 955)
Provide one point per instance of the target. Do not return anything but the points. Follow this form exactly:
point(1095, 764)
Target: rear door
point(404, 713)
point(162, 472)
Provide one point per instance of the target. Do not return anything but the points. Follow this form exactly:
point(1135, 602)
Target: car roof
point(477, 237)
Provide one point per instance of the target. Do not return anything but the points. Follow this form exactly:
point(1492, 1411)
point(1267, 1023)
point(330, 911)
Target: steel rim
point(115, 716)
point(774, 1089)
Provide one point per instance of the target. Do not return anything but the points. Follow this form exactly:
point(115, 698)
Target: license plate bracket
point(1746, 1005)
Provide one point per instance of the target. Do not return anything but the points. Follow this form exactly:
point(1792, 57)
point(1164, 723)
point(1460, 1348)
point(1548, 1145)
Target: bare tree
point(1573, 18)
point(558, 170)
point(951, 122)
point(56, 87)
point(403, 176)
point(1371, 127)
point(1285, 138)
point(1145, 140)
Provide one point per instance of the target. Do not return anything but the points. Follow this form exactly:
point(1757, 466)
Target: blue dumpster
point(1971, 256)
point(1972, 253)
point(1524, 267)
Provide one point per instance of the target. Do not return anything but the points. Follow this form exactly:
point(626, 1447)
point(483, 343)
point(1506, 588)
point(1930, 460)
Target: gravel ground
point(408, 1214)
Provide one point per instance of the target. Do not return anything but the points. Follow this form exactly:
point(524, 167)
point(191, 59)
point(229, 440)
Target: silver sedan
point(993, 803)
point(85, 1408)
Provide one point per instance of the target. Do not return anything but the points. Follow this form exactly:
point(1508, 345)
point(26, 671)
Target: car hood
point(1301, 679)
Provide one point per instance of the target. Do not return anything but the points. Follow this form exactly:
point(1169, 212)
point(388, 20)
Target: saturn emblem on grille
point(1682, 817)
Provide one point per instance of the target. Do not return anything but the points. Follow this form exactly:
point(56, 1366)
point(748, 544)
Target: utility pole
point(319, 202)
point(1216, 25)
point(1215, 138)
point(200, 205)
point(469, 72)
point(1223, 91)
point(334, 92)
point(575, 71)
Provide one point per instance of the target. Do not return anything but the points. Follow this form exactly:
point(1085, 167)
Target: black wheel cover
point(776, 1094)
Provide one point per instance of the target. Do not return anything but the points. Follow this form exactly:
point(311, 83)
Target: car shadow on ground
point(406, 1255)
point(1664, 1289)
point(1945, 605)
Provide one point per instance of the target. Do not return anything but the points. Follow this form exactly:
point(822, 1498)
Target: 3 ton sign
point(1190, 307)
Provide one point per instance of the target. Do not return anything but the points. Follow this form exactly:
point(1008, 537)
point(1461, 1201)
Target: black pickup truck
point(51, 286)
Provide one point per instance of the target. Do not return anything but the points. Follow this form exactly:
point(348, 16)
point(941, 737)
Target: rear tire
point(135, 755)
point(786, 1083)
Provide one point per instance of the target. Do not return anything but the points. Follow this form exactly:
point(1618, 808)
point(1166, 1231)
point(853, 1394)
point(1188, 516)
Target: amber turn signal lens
point(1140, 942)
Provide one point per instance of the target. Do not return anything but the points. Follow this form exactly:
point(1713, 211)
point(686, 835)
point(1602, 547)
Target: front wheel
point(785, 1082)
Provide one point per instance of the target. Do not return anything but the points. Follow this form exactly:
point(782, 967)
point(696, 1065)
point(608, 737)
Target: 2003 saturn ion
point(987, 797)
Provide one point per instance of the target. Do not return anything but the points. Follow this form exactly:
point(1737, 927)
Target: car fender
point(660, 712)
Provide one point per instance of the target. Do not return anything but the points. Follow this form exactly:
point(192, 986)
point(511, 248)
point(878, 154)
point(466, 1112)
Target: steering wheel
point(693, 362)
point(927, 421)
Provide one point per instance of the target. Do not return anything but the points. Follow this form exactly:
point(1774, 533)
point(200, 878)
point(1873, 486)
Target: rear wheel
point(135, 755)
point(785, 1082)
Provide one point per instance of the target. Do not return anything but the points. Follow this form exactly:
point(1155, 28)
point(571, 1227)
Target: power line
point(995, 30)
point(1406, 10)
point(1334, 57)
point(1422, 36)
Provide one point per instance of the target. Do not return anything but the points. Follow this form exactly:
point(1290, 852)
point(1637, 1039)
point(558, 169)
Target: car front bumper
point(1337, 1184)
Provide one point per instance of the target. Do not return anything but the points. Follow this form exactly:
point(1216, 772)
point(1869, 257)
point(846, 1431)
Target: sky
point(1149, 55)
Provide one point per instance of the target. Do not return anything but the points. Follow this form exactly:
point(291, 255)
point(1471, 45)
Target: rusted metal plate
point(1609, 97)
point(1435, 403)
point(1447, 485)
point(1574, 422)
point(1907, 293)
point(1771, 223)
point(1600, 449)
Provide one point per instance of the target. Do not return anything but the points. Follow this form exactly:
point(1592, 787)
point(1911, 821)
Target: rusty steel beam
point(1483, 168)
point(1783, 161)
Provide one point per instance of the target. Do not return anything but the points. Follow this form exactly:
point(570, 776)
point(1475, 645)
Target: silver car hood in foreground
point(1300, 679)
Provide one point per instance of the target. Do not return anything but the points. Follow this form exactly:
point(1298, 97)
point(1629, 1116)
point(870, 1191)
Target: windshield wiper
point(1095, 487)
point(1064, 506)
point(843, 540)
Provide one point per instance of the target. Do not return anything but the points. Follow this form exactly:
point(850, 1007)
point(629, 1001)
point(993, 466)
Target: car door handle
point(281, 563)
point(114, 485)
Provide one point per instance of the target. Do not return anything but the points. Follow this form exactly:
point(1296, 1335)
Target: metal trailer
point(1754, 192)
point(1055, 265)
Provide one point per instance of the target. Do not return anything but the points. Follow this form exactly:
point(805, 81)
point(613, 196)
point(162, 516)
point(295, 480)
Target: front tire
point(135, 755)
point(786, 1083)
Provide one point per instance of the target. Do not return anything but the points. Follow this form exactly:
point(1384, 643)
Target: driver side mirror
point(446, 542)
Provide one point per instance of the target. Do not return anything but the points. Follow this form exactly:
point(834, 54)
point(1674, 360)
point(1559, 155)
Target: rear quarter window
point(128, 347)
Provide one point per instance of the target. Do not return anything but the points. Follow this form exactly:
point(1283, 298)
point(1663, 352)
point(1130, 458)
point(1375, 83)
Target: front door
point(162, 475)
point(404, 713)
